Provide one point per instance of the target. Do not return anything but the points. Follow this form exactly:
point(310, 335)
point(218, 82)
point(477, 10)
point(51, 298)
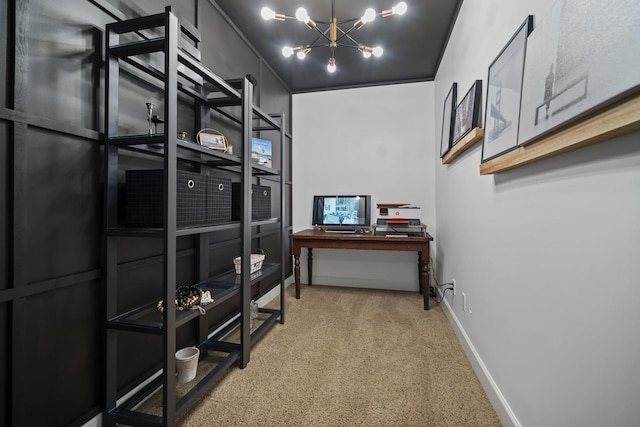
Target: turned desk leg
point(420, 281)
point(309, 264)
point(296, 269)
point(424, 278)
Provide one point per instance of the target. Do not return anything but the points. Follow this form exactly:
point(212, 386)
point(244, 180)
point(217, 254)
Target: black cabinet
point(175, 188)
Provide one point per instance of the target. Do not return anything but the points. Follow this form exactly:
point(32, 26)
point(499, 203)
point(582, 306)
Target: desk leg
point(296, 262)
point(424, 278)
point(309, 264)
point(420, 281)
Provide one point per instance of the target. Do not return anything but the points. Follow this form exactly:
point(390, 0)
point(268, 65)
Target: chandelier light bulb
point(331, 67)
point(369, 15)
point(366, 53)
point(287, 51)
point(377, 51)
point(302, 15)
point(399, 9)
point(301, 54)
point(267, 13)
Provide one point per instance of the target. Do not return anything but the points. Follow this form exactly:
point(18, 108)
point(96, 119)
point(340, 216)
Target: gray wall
point(546, 255)
point(51, 123)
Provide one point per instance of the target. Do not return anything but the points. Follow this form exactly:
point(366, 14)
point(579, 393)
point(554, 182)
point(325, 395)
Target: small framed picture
point(448, 116)
point(211, 138)
point(467, 112)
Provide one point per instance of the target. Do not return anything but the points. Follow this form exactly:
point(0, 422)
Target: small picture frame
point(211, 138)
point(448, 119)
point(467, 112)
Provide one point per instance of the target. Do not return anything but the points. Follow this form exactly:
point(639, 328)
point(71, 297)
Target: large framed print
point(504, 89)
point(448, 116)
point(467, 112)
point(582, 56)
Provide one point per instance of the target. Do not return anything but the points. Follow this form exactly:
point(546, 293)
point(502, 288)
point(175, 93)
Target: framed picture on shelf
point(467, 112)
point(504, 90)
point(448, 116)
point(580, 58)
point(212, 139)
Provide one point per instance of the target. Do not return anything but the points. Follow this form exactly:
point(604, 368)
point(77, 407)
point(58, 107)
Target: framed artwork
point(467, 112)
point(504, 90)
point(212, 139)
point(448, 116)
point(580, 58)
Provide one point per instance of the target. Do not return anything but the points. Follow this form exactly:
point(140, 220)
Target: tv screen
point(342, 211)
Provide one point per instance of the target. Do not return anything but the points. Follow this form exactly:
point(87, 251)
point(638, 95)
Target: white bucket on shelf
point(187, 363)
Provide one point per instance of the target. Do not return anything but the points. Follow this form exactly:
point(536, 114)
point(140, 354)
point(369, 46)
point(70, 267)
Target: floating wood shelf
point(469, 139)
point(619, 119)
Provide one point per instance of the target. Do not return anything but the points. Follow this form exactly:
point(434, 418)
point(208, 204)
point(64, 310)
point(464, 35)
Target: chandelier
point(331, 33)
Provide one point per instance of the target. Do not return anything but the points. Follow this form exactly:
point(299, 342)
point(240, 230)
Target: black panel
point(274, 97)
point(65, 60)
point(4, 49)
point(59, 366)
point(5, 372)
point(5, 172)
point(63, 200)
point(223, 51)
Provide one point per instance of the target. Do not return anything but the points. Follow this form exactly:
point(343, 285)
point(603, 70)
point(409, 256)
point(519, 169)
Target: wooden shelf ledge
point(469, 139)
point(619, 119)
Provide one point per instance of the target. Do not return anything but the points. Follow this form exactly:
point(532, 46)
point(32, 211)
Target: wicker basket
point(256, 262)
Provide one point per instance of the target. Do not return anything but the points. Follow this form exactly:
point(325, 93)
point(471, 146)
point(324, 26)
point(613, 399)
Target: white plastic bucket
point(187, 363)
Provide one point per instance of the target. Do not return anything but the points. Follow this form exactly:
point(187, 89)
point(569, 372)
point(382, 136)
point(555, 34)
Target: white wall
point(376, 141)
point(547, 255)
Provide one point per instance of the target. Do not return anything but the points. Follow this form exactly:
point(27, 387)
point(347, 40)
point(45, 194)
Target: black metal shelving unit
point(129, 47)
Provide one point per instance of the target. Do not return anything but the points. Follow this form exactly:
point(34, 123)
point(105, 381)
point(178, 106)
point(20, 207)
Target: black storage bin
point(145, 195)
point(260, 201)
point(218, 199)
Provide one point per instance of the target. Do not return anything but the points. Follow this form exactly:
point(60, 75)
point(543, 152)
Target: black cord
point(443, 293)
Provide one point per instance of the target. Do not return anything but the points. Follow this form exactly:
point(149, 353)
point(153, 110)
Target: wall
point(546, 255)
point(373, 141)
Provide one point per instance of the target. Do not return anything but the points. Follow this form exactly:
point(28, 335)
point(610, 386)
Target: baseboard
point(497, 399)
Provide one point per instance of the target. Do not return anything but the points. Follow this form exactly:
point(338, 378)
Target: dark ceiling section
point(413, 43)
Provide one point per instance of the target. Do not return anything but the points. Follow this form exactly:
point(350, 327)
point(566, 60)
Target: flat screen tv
point(342, 212)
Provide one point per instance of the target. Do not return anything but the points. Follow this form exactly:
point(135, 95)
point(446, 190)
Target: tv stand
point(321, 239)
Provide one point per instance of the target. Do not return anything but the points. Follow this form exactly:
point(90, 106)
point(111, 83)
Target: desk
point(320, 239)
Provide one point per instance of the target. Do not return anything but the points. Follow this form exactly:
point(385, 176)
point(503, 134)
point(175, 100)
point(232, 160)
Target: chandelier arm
point(350, 38)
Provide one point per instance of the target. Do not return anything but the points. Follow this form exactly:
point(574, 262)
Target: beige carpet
point(351, 357)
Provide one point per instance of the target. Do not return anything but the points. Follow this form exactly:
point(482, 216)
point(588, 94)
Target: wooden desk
point(320, 239)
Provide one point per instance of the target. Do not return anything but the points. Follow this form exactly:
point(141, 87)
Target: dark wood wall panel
point(5, 368)
point(5, 174)
point(63, 205)
point(5, 46)
point(57, 370)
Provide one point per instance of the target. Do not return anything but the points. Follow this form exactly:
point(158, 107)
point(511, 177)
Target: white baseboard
point(497, 399)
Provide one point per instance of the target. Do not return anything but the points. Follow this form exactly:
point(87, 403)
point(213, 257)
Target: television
point(342, 212)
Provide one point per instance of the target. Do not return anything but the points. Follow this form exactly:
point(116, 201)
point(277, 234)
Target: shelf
point(210, 367)
point(618, 119)
point(148, 319)
point(138, 47)
point(230, 276)
point(159, 232)
point(471, 138)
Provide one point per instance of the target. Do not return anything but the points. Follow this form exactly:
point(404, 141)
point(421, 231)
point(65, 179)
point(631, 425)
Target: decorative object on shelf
point(332, 34)
point(213, 139)
point(580, 58)
point(504, 85)
point(448, 119)
point(189, 298)
point(261, 152)
point(150, 106)
point(152, 118)
point(182, 135)
point(467, 112)
point(187, 364)
point(256, 262)
point(253, 312)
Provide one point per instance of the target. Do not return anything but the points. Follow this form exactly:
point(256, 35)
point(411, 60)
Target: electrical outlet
point(454, 286)
point(464, 302)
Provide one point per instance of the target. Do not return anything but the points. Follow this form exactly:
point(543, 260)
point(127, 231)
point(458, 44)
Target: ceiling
point(413, 43)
